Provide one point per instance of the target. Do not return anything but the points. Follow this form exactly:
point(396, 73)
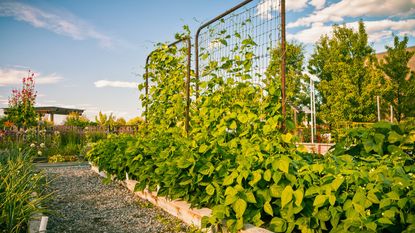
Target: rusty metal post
point(146, 87)
point(197, 39)
point(283, 59)
point(189, 57)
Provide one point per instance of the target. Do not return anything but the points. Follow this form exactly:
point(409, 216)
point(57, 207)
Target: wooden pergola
point(52, 110)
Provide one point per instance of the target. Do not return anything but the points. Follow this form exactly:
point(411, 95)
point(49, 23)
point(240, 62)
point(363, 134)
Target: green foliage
point(21, 191)
point(237, 162)
point(120, 122)
point(349, 82)
point(366, 184)
point(166, 100)
point(104, 120)
point(135, 121)
point(400, 81)
point(74, 119)
point(297, 89)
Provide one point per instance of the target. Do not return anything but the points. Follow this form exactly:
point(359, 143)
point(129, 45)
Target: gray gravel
point(82, 203)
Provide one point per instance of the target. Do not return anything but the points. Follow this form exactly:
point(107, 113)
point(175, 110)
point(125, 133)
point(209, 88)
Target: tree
point(75, 119)
point(120, 121)
point(349, 81)
point(21, 111)
point(399, 78)
point(297, 92)
point(104, 120)
point(135, 121)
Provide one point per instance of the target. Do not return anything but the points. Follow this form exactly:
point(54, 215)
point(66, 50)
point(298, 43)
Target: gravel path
point(82, 203)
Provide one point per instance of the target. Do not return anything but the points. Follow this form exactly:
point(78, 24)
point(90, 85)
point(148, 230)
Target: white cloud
point(377, 30)
point(336, 12)
point(318, 4)
point(310, 35)
point(265, 7)
point(55, 22)
point(10, 76)
point(122, 84)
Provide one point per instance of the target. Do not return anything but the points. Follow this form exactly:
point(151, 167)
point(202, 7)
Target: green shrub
point(21, 191)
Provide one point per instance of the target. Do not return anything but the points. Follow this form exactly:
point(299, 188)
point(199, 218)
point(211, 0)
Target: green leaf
point(243, 118)
point(372, 197)
point(233, 125)
point(394, 137)
point(278, 225)
point(268, 209)
point(323, 215)
point(298, 194)
point(317, 168)
point(385, 221)
point(371, 226)
point(203, 148)
point(267, 175)
point(319, 200)
point(256, 177)
point(230, 191)
point(337, 183)
point(250, 197)
point(393, 195)
point(286, 137)
point(332, 199)
point(239, 207)
point(284, 165)
point(230, 199)
point(228, 179)
point(286, 196)
point(275, 190)
point(223, 41)
point(210, 190)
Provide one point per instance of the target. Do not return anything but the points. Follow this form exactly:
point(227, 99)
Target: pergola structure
point(51, 110)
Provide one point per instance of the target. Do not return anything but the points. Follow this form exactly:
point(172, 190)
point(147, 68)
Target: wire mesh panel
point(238, 45)
point(167, 84)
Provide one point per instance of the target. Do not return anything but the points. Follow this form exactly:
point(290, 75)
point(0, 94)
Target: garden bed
point(179, 209)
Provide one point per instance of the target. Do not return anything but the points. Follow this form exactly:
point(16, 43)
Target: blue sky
point(91, 54)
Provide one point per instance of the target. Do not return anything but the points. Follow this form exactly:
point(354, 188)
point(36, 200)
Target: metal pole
point(314, 110)
point(146, 99)
point(377, 102)
point(189, 56)
point(283, 57)
point(311, 111)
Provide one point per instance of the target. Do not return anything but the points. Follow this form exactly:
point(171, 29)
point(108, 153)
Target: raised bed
point(179, 209)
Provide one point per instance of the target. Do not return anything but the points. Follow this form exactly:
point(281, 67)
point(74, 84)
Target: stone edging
point(38, 224)
point(179, 209)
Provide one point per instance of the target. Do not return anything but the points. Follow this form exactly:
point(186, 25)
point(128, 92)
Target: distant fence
point(13, 135)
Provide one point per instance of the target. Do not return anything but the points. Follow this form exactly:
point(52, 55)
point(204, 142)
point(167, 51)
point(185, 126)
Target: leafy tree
point(75, 119)
point(400, 80)
point(135, 121)
point(120, 122)
point(349, 82)
point(297, 92)
point(21, 110)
